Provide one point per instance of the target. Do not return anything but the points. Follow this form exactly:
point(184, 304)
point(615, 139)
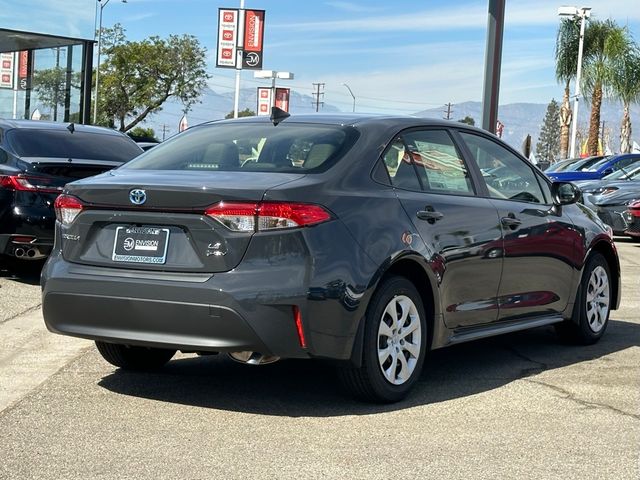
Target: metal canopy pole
point(492, 63)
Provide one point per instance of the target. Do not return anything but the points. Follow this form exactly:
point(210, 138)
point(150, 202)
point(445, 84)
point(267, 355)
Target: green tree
point(566, 55)
point(604, 42)
point(548, 146)
point(242, 113)
point(141, 132)
point(625, 85)
point(468, 120)
point(50, 85)
point(138, 77)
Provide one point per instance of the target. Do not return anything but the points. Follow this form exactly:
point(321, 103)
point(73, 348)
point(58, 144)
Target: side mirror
point(607, 171)
point(565, 193)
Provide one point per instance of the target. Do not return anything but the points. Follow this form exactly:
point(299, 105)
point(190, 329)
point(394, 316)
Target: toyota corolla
point(361, 239)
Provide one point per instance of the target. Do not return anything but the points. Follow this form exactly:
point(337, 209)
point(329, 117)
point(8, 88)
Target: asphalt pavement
point(518, 406)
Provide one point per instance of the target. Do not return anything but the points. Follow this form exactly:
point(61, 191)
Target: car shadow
point(27, 271)
point(310, 388)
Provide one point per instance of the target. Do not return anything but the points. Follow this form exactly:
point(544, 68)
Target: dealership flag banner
point(282, 98)
point(253, 39)
point(7, 72)
point(23, 62)
point(264, 100)
point(183, 125)
point(227, 38)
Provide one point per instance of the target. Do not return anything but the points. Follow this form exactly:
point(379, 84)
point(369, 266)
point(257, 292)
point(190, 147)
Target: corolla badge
point(137, 196)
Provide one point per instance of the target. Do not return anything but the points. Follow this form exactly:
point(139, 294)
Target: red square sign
point(227, 53)
point(228, 17)
point(227, 35)
point(6, 64)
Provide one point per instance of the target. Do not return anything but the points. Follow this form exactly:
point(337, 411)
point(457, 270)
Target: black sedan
point(360, 239)
point(36, 160)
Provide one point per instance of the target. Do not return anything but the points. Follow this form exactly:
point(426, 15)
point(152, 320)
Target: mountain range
point(519, 119)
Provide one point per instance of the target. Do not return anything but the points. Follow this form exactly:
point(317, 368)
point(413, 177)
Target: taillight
point(29, 183)
point(260, 216)
point(67, 208)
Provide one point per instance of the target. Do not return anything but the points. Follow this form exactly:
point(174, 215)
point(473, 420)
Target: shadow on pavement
point(310, 389)
point(25, 271)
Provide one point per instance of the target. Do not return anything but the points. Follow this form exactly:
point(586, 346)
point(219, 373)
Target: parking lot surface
point(517, 406)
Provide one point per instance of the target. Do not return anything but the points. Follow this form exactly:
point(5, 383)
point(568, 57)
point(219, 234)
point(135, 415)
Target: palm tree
point(566, 65)
point(625, 86)
point(604, 42)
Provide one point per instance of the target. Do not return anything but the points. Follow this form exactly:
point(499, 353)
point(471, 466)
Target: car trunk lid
point(151, 220)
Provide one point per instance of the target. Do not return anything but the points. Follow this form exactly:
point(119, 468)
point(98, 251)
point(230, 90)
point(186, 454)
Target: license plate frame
point(143, 244)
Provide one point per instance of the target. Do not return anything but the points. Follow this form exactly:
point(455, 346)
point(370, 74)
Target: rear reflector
point(29, 183)
point(67, 208)
point(297, 317)
point(260, 216)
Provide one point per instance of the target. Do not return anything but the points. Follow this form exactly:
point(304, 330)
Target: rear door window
point(427, 160)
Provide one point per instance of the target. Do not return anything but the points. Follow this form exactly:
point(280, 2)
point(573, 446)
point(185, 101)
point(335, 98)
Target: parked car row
point(609, 185)
point(36, 160)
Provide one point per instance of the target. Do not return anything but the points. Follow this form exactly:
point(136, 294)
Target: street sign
point(264, 101)
point(227, 37)
point(253, 39)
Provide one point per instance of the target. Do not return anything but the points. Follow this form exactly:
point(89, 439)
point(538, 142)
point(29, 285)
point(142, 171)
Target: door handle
point(511, 221)
point(429, 215)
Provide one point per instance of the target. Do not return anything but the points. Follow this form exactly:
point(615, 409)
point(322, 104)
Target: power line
point(318, 94)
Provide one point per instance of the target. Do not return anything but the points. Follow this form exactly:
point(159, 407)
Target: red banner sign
point(282, 98)
point(23, 72)
point(253, 39)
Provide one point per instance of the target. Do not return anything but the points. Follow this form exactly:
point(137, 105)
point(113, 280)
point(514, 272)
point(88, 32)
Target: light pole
point(582, 13)
point(354, 97)
point(102, 3)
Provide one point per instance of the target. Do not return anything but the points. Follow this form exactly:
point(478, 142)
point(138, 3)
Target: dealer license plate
point(141, 245)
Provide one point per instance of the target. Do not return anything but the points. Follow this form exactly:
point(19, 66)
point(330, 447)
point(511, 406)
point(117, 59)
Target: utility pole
point(318, 94)
point(165, 129)
point(448, 111)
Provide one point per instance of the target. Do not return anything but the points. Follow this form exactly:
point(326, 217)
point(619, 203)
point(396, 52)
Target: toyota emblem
point(137, 196)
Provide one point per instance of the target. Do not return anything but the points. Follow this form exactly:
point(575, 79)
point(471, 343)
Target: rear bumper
point(34, 221)
point(248, 308)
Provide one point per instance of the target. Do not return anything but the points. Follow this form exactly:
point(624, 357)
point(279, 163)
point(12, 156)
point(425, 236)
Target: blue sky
point(397, 57)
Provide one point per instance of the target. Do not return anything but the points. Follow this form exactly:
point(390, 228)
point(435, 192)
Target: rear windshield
point(251, 147)
point(592, 165)
point(64, 144)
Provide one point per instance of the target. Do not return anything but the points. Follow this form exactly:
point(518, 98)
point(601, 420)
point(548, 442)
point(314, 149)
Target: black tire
point(579, 330)
point(368, 382)
point(134, 358)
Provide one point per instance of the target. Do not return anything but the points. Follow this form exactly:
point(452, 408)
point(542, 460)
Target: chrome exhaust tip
point(253, 358)
point(19, 252)
point(32, 252)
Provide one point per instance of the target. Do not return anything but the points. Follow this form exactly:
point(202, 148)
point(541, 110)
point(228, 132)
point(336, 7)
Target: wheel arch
point(608, 251)
point(417, 272)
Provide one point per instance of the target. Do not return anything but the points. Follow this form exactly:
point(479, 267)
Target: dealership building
point(46, 60)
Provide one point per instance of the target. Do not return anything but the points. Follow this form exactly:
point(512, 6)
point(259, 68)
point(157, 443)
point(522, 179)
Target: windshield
point(593, 166)
point(250, 147)
point(64, 144)
point(623, 173)
point(563, 165)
